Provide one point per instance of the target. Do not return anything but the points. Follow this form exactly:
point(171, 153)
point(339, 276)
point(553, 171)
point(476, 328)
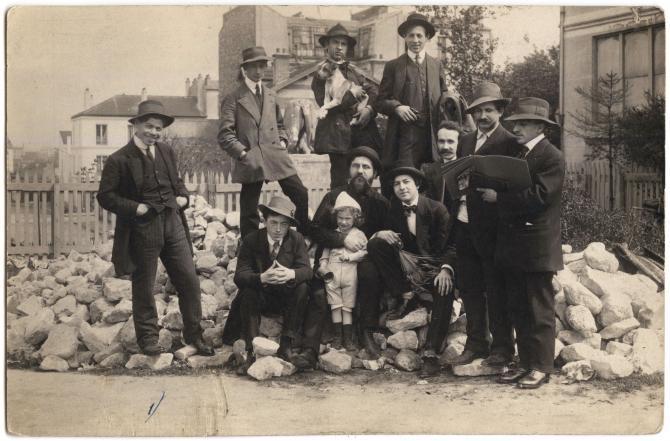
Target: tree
point(599, 121)
point(467, 45)
point(643, 132)
point(199, 155)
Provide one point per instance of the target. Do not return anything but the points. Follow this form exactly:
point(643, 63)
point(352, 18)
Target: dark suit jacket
point(529, 234)
point(244, 128)
point(120, 192)
point(334, 134)
point(390, 93)
point(432, 228)
point(483, 216)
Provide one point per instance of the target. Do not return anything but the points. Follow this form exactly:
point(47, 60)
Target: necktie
point(343, 67)
point(149, 155)
point(523, 151)
point(275, 250)
point(417, 59)
point(408, 209)
point(259, 96)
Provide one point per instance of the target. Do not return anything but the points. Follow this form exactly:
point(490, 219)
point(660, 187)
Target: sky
point(54, 53)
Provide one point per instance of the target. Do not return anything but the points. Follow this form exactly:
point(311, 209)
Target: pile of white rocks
point(608, 323)
point(73, 313)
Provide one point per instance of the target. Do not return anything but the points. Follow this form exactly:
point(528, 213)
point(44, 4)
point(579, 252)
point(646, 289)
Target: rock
point(559, 326)
point(373, 365)
point(165, 339)
point(263, 346)
point(114, 348)
point(213, 336)
point(597, 257)
point(566, 249)
point(100, 269)
point(85, 294)
point(580, 319)
point(120, 313)
point(404, 340)
point(128, 338)
point(459, 325)
point(172, 319)
point(115, 360)
point(578, 351)
point(602, 284)
point(207, 263)
point(578, 266)
point(208, 287)
point(653, 317)
point(616, 348)
point(217, 360)
point(580, 370)
point(61, 342)
point(21, 277)
point(216, 215)
point(80, 359)
point(570, 337)
point(612, 366)
point(16, 346)
point(270, 326)
point(457, 337)
point(267, 367)
point(155, 362)
point(335, 362)
point(647, 354)
point(218, 247)
point(414, 319)
point(558, 347)
point(97, 338)
point(31, 305)
point(53, 363)
point(209, 306)
point(573, 257)
point(556, 286)
point(559, 308)
point(67, 305)
point(619, 329)
point(230, 287)
point(76, 256)
point(476, 369)
point(616, 308)
point(232, 219)
point(380, 340)
point(98, 308)
point(578, 294)
point(450, 352)
point(185, 352)
point(240, 350)
point(62, 275)
point(37, 326)
point(116, 289)
point(56, 295)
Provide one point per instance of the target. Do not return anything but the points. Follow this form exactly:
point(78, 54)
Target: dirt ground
point(217, 402)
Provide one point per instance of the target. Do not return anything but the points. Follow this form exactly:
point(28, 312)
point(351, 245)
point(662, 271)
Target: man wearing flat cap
point(343, 129)
point(409, 94)
point(529, 244)
point(251, 131)
point(141, 186)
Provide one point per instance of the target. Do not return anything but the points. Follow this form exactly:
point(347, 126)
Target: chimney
point(144, 94)
point(188, 87)
point(200, 94)
point(87, 103)
point(280, 67)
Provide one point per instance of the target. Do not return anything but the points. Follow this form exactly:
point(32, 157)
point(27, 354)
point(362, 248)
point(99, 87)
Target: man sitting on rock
point(420, 226)
point(272, 274)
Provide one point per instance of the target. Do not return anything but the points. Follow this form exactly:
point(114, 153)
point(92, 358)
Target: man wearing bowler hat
point(251, 131)
point(141, 186)
point(272, 274)
point(529, 244)
point(409, 94)
point(342, 129)
point(480, 281)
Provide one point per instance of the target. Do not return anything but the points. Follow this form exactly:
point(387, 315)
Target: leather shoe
point(467, 357)
point(304, 360)
point(512, 376)
point(532, 380)
point(430, 367)
point(285, 351)
point(496, 360)
point(370, 345)
point(151, 349)
point(243, 367)
point(203, 348)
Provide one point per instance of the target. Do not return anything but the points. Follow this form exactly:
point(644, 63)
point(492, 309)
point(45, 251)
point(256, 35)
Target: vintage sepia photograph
point(227, 220)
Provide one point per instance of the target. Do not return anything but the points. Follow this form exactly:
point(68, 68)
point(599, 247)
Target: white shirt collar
point(487, 134)
point(412, 55)
point(142, 146)
point(271, 241)
point(252, 86)
point(414, 201)
point(533, 142)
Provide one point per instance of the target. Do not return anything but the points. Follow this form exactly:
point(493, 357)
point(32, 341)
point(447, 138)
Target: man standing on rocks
point(420, 226)
point(251, 131)
point(363, 163)
point(529, 244)
point(141, 186)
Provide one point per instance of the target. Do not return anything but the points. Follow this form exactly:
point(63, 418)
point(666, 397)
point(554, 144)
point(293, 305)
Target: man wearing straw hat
point(251, 131)
point(529, 244)
point(141, 186)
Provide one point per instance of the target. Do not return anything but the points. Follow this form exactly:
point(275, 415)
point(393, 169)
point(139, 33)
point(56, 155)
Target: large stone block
point(128, 338)
point(265, 368)
point(335, 362)
point(407, 360)
point(597, 257)
point(217, 360)
point(647, 355)
point(616, 307)
point(414, 319)
point(404, 340)
point(116, 289)
point(31, 305)
point(61, 342)
point(619, 329)
point(120, 313)
point(580, 370)
point(578, 351)
point(97, 338)
point(263, 346)
point(612, 366)
point(67, 306)
point(154, 363)
point(98, 308)
point(581, 320)
point(37, 326)
point(578, 294)
point(53, 363)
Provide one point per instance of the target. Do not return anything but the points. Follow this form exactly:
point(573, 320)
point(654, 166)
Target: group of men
point(497, 249)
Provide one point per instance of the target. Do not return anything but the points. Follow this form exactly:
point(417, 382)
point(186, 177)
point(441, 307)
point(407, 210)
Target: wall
point(83, 130)
point(271, 31)
point(237, 33)
point(212, 104)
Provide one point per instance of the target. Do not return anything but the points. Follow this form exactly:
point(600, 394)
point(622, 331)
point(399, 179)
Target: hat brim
point(376, 162)
point(265, 209)
point(417, 174)
point(530, 117)
point(167, 120)
point(404, 27)
point(487, 99)
point(254, 59)
point(323, 40)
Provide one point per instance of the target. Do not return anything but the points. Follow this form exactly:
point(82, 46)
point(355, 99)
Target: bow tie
point(343, 66)
point(408, 209)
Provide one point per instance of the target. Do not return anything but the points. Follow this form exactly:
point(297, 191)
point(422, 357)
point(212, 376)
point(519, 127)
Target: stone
point(476, 369)
point(104, 250)
point(570, 337)
point(404, 340)
point(62, 275)
point(558, 347)
point(559, 309)
point(61, 342)
point(580, 319)
point(415, 319)
point(559, 326)
point(335, 362)
point(240, 349)
point(270, 326)
point(172, 319)
point(114, 348)
point(185, 352)
point(56, 295)
point(232, 219)
point(165, 339)
point(597, 257)
point(213, 336)
point(459, 325)
point(115, 360)
point(76, 256)
point(619, 329)
point(556, 286)
point(578, 266)
point(578, 294)
point(207, 263)
point(21, 277)
point(100, 269)
point(579, 370)
point(217, 360)
point(616, 307)
point(53, 363)
point(209, 306)
point(97, 338)
point(380, 340)
point(67, 306)
point(578, 351)
point(155, 362)
point(572, 257)
point(373, 365)
point(388, 354)
point(450, 352)
point(265, 368)
point(407, 360)
point(120, 313)
point(612, 366)
point(457, 337)
point(37, 326)
point(653, 317)
point(31, 305)
point(647, 354)
point(75, 281)
point(80, 358)
point(98, 308)
point(216, 215)
point(206, 324)
point(263, 346)
point(566, 249)
point(218, 247)
point(208, 287)
point(85, 294)
point(128, 338)
point(602, 284)
point(617, 348)
point(16, 346)
point(116, 289)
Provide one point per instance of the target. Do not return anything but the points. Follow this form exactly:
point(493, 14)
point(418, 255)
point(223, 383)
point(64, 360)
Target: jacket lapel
point(432, 77)
point(268, 103)
point(263, 251)
point(422, 220)
point(135, 164)
point(400, 76)
point(248, 102)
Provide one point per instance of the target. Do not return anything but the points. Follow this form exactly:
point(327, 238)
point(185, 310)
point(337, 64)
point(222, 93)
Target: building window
point(100, 162)
point(303, 43)
point(101, 134)
point(365, 42)
point(638, 56)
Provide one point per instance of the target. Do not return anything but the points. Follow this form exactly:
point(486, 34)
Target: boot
point(370, 344)
point(337, 338)
point(305, 360)
point(348, 337)
point(285, 351)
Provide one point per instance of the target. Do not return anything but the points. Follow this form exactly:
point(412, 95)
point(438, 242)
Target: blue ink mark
point(154, 407)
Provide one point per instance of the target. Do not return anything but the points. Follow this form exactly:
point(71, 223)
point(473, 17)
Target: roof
point(126, 106)
point(212, 85)
point(310, 69)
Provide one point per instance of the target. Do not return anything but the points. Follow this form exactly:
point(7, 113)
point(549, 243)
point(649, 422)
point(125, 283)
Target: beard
point(359, 185)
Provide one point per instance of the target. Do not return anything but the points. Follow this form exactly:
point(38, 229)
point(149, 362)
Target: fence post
point(57, 220)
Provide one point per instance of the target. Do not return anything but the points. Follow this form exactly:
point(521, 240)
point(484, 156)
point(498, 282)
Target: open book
point(501, 173)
